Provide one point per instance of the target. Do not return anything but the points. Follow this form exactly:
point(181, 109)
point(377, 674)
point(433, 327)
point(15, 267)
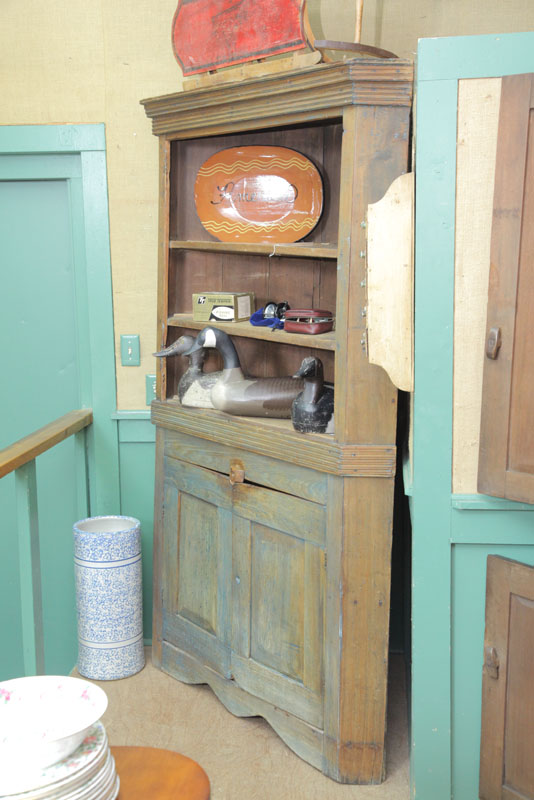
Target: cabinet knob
point(491, 662)
point(493, 343)
point(237, 472)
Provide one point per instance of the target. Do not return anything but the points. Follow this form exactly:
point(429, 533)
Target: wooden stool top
point(148, 772)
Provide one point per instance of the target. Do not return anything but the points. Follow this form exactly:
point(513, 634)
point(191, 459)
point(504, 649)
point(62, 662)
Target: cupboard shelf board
point(295, 249)
point(314, 450)
point(320, 341)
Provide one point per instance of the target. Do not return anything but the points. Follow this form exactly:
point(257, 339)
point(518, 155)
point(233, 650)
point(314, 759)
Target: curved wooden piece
point(353, 47)
point(149, 772)
point(301, 737)
point(390, 282)
point(210, 34)
point(41, 440)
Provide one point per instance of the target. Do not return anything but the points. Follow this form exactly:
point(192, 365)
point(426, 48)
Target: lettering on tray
point(228, 192)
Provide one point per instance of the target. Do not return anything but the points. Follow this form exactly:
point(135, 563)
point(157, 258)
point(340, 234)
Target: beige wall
point(86, 62)
point(78, 62)
point(478, 119)
point(396, 25)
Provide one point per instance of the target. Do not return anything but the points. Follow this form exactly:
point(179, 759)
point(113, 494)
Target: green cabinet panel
point(38, 320)
point(57, 327)
point(136, 460)
point(451, 536)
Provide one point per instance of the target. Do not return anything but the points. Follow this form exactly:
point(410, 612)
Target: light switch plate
point(150, 387)
point(130, 350)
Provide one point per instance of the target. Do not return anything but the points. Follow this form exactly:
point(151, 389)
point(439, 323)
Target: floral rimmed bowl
point(43, 719)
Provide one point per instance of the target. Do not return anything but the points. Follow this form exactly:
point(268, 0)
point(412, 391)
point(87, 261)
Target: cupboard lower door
point(278, 600)
point(196, 564)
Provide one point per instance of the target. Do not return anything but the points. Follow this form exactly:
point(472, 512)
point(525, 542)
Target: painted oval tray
point(259, 194)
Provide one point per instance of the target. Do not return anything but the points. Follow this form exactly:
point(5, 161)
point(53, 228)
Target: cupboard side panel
point(375, 152)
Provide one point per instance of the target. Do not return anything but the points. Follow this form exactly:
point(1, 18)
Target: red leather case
point(308, 320)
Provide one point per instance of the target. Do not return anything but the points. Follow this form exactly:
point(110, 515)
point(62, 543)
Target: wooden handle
point(359, 17)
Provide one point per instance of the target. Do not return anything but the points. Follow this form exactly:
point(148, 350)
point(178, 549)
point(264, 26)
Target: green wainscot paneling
point(137, 464)
point(54, 234)
point(11, 655)
point(451, 536)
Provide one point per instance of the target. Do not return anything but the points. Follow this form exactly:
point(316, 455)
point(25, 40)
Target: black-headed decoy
point(313, 409)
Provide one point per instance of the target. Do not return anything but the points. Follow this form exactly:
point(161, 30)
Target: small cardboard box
point(223, 306)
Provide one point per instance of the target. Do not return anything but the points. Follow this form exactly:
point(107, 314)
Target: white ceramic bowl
point(43, 719)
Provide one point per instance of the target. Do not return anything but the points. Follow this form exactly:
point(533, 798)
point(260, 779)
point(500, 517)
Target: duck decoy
point(236, 393)
point(195, 385)
point(313, 408)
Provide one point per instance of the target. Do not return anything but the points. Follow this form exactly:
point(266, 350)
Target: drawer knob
point(237, 472)
point(491, 662)
point(493, 343)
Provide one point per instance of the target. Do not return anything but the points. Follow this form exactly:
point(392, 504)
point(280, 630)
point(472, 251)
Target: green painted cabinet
point(459, 92)
point(272, 548)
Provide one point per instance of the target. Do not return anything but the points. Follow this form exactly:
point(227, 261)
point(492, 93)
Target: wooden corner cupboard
point(272, 547)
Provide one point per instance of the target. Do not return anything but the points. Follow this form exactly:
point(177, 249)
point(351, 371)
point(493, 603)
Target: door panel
point(56, 328)
point(277, 601)
point(39, 365)
point(506, 459)
point(197, 542)
point(279, 596)
point(507, 743)
point(197, 588)
point(518, 744)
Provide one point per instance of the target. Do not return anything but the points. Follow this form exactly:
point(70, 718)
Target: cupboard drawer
point(299, 481)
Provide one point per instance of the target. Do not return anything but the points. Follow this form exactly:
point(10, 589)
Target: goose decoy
point(236, 393)
point(195, 385)
point(313, 409)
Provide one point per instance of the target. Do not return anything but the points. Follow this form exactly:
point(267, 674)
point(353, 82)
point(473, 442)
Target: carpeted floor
point(243, 757)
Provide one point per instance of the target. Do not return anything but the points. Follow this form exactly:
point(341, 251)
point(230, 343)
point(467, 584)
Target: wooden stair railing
point(20, 458)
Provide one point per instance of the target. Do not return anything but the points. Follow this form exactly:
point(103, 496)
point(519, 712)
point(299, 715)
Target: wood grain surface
point(31, 446)
point(506, 766)
point(277, 598)
point(390, 282)
point(150, 772)
point(506, 461)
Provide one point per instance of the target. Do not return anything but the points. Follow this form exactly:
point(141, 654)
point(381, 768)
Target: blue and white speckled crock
point(109, 600)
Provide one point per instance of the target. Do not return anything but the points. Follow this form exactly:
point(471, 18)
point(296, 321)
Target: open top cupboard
point(272, 547)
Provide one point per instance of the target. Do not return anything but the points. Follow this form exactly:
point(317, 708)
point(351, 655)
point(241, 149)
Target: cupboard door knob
point(493, 343)
point(491, 662)
point(237, 472)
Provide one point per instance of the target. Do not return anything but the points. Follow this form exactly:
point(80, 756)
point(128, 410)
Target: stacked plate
point(52, 743)
point(86, 774)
